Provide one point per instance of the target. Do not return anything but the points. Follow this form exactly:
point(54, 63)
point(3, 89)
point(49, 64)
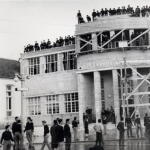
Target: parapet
point(108, 23)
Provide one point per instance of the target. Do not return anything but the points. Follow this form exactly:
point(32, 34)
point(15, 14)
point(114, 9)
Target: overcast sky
point(26, 21)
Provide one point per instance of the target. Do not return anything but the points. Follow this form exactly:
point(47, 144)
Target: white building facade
point(10, 100)
point(65, 81)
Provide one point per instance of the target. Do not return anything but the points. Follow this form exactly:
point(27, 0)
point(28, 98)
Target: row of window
point(51, 65)
point(126, 35)
point(53, 104)
point(8, 100)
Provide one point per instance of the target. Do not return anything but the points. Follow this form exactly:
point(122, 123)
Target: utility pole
point(22, 90)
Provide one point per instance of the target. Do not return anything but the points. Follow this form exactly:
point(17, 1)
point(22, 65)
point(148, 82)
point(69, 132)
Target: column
point(94, 41)
point(77, 45)
point(135, 83)
point(42, 65)
point(148, 38)
point(81, 89)
point(43, 102)
point(97, 93)
point(60, 62)
point(116, 95)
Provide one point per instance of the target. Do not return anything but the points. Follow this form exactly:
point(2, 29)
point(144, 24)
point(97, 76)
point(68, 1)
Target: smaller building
point(10, 100)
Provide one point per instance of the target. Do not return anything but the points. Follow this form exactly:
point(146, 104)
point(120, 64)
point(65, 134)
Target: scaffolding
point(130, 87)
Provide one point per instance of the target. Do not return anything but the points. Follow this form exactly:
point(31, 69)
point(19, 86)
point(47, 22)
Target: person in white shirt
point(99, 130)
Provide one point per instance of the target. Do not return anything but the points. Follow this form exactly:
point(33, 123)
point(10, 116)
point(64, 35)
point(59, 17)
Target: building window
point(102, 93)
point(34, 66)
point(51, 63)
point(69, 60)
point(34, 106)
point(9, 100)
point(52, 104)
point(71, 102)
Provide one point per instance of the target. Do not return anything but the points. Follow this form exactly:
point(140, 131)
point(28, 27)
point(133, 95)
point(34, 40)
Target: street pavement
point(133, 144)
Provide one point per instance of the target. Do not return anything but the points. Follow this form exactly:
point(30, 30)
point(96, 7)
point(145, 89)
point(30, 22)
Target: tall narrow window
point(71, 102)
point(51, 63)
point(34, 106)
point(69, 60)
point(52, 104)
point(34, 66)
point(9, 100)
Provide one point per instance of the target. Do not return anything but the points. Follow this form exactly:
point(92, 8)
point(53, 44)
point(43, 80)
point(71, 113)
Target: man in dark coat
point(17, 132)
point(146, 120)
point(67, 135)
point(29, 129)
point(121, 129)
point(75, 128)
point(86, 127)
point(94, 15)
point(6, 138)
point(61, 134)
point(54, 135)
point(138, 125)
point(128, 124)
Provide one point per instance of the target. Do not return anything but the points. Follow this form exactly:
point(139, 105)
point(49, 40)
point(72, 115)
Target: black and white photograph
point(74, 75)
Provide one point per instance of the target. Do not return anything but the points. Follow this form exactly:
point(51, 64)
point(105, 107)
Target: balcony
point(47, 51)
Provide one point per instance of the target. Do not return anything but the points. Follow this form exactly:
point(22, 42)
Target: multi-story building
point(10, 100)
point(109, 60)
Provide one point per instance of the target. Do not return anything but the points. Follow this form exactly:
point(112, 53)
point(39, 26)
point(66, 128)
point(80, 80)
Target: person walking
point(104, 121)
point(6, 138)
point(137, 123)
point(121, 129)
point(146, 120)
point(75, 128)
point(128, 124)
point(29, 128)
point(54, 135)
point(46, 136)
point(99, 136)
point(67, 135)
point(61, 135)
point(17, 132)
point(86, 127)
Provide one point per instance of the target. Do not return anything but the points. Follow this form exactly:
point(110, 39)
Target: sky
point(23, 22)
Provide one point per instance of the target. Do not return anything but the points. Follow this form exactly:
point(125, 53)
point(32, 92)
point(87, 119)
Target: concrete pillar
point(60, 62)
point(116, 95)
point(77, 45)
point(61, 99)
point(148, 38)
point(81, 93)
point(42, 64)
point(94, 41)
point(97, 93)
point(135, 83)
point(43, 102)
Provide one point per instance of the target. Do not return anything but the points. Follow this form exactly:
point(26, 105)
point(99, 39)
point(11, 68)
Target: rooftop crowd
point(68, 40)
point(137, 12)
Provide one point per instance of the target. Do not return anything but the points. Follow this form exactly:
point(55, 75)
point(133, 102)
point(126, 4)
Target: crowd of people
point(137, 12)
point(68, 40)
point(61, 135)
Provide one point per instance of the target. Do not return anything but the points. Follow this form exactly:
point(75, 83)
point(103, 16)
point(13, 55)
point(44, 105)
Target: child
point(6, 138)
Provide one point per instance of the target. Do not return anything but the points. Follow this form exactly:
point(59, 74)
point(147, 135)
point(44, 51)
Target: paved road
point(109, 145)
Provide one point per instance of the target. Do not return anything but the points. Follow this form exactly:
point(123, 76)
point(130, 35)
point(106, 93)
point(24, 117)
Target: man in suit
point(67, 135)
point(54, 135)
point(61, 135)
